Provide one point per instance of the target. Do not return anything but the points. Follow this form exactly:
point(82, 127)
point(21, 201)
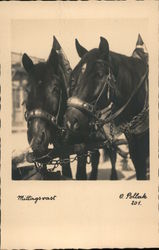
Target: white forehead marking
point(84, 67)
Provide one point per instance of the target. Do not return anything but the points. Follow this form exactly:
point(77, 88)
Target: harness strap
point(119, 111)
point(107, 82)
point(81, 105)
point(87, 107)
point(39, 113)
point(59, 108)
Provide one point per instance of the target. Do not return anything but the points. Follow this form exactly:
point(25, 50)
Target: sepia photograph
point(79, 124)
point(80, 112)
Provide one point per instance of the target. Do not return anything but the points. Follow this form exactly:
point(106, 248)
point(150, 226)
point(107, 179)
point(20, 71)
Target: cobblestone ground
point(125, 170)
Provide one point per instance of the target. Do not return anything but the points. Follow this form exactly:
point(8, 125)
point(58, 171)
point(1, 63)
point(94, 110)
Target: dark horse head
point(44, 110)
point(88, 86)
point(100, 78)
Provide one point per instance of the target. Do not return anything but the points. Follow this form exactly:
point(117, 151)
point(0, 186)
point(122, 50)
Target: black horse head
point(44, 110)
point(103, 77)
point(89, 84)
point(100, 78)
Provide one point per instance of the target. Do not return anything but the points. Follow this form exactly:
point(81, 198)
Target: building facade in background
point(19, 80)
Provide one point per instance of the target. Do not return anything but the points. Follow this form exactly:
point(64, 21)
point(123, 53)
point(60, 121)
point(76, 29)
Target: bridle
point(44, 115)
point(91, 110)
point(53, 120)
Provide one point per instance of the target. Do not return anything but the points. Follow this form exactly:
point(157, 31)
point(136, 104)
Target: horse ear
point(139, 41)
point(53, 60)
point(104, 46)
point(56, 45)
point(80, 50)
point(27, 62)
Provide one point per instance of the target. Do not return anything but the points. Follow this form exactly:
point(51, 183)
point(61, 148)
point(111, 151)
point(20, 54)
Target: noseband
point(39, 113)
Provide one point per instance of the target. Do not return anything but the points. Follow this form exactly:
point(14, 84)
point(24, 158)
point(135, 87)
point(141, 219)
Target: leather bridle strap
point(77, 103)
point(109, 77)
point(85, 106)
point(39, 113)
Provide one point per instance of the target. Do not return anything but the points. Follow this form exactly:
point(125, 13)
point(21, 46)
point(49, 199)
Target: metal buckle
point(88, 107)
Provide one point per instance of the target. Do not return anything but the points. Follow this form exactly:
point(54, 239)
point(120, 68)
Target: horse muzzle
point(76, 122)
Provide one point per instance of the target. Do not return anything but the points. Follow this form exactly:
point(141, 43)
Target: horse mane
point(128, 62)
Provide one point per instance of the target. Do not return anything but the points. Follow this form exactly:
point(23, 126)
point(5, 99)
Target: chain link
point(126, 128)
point(111, 130)
point(59, 162)
point(137, 120)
